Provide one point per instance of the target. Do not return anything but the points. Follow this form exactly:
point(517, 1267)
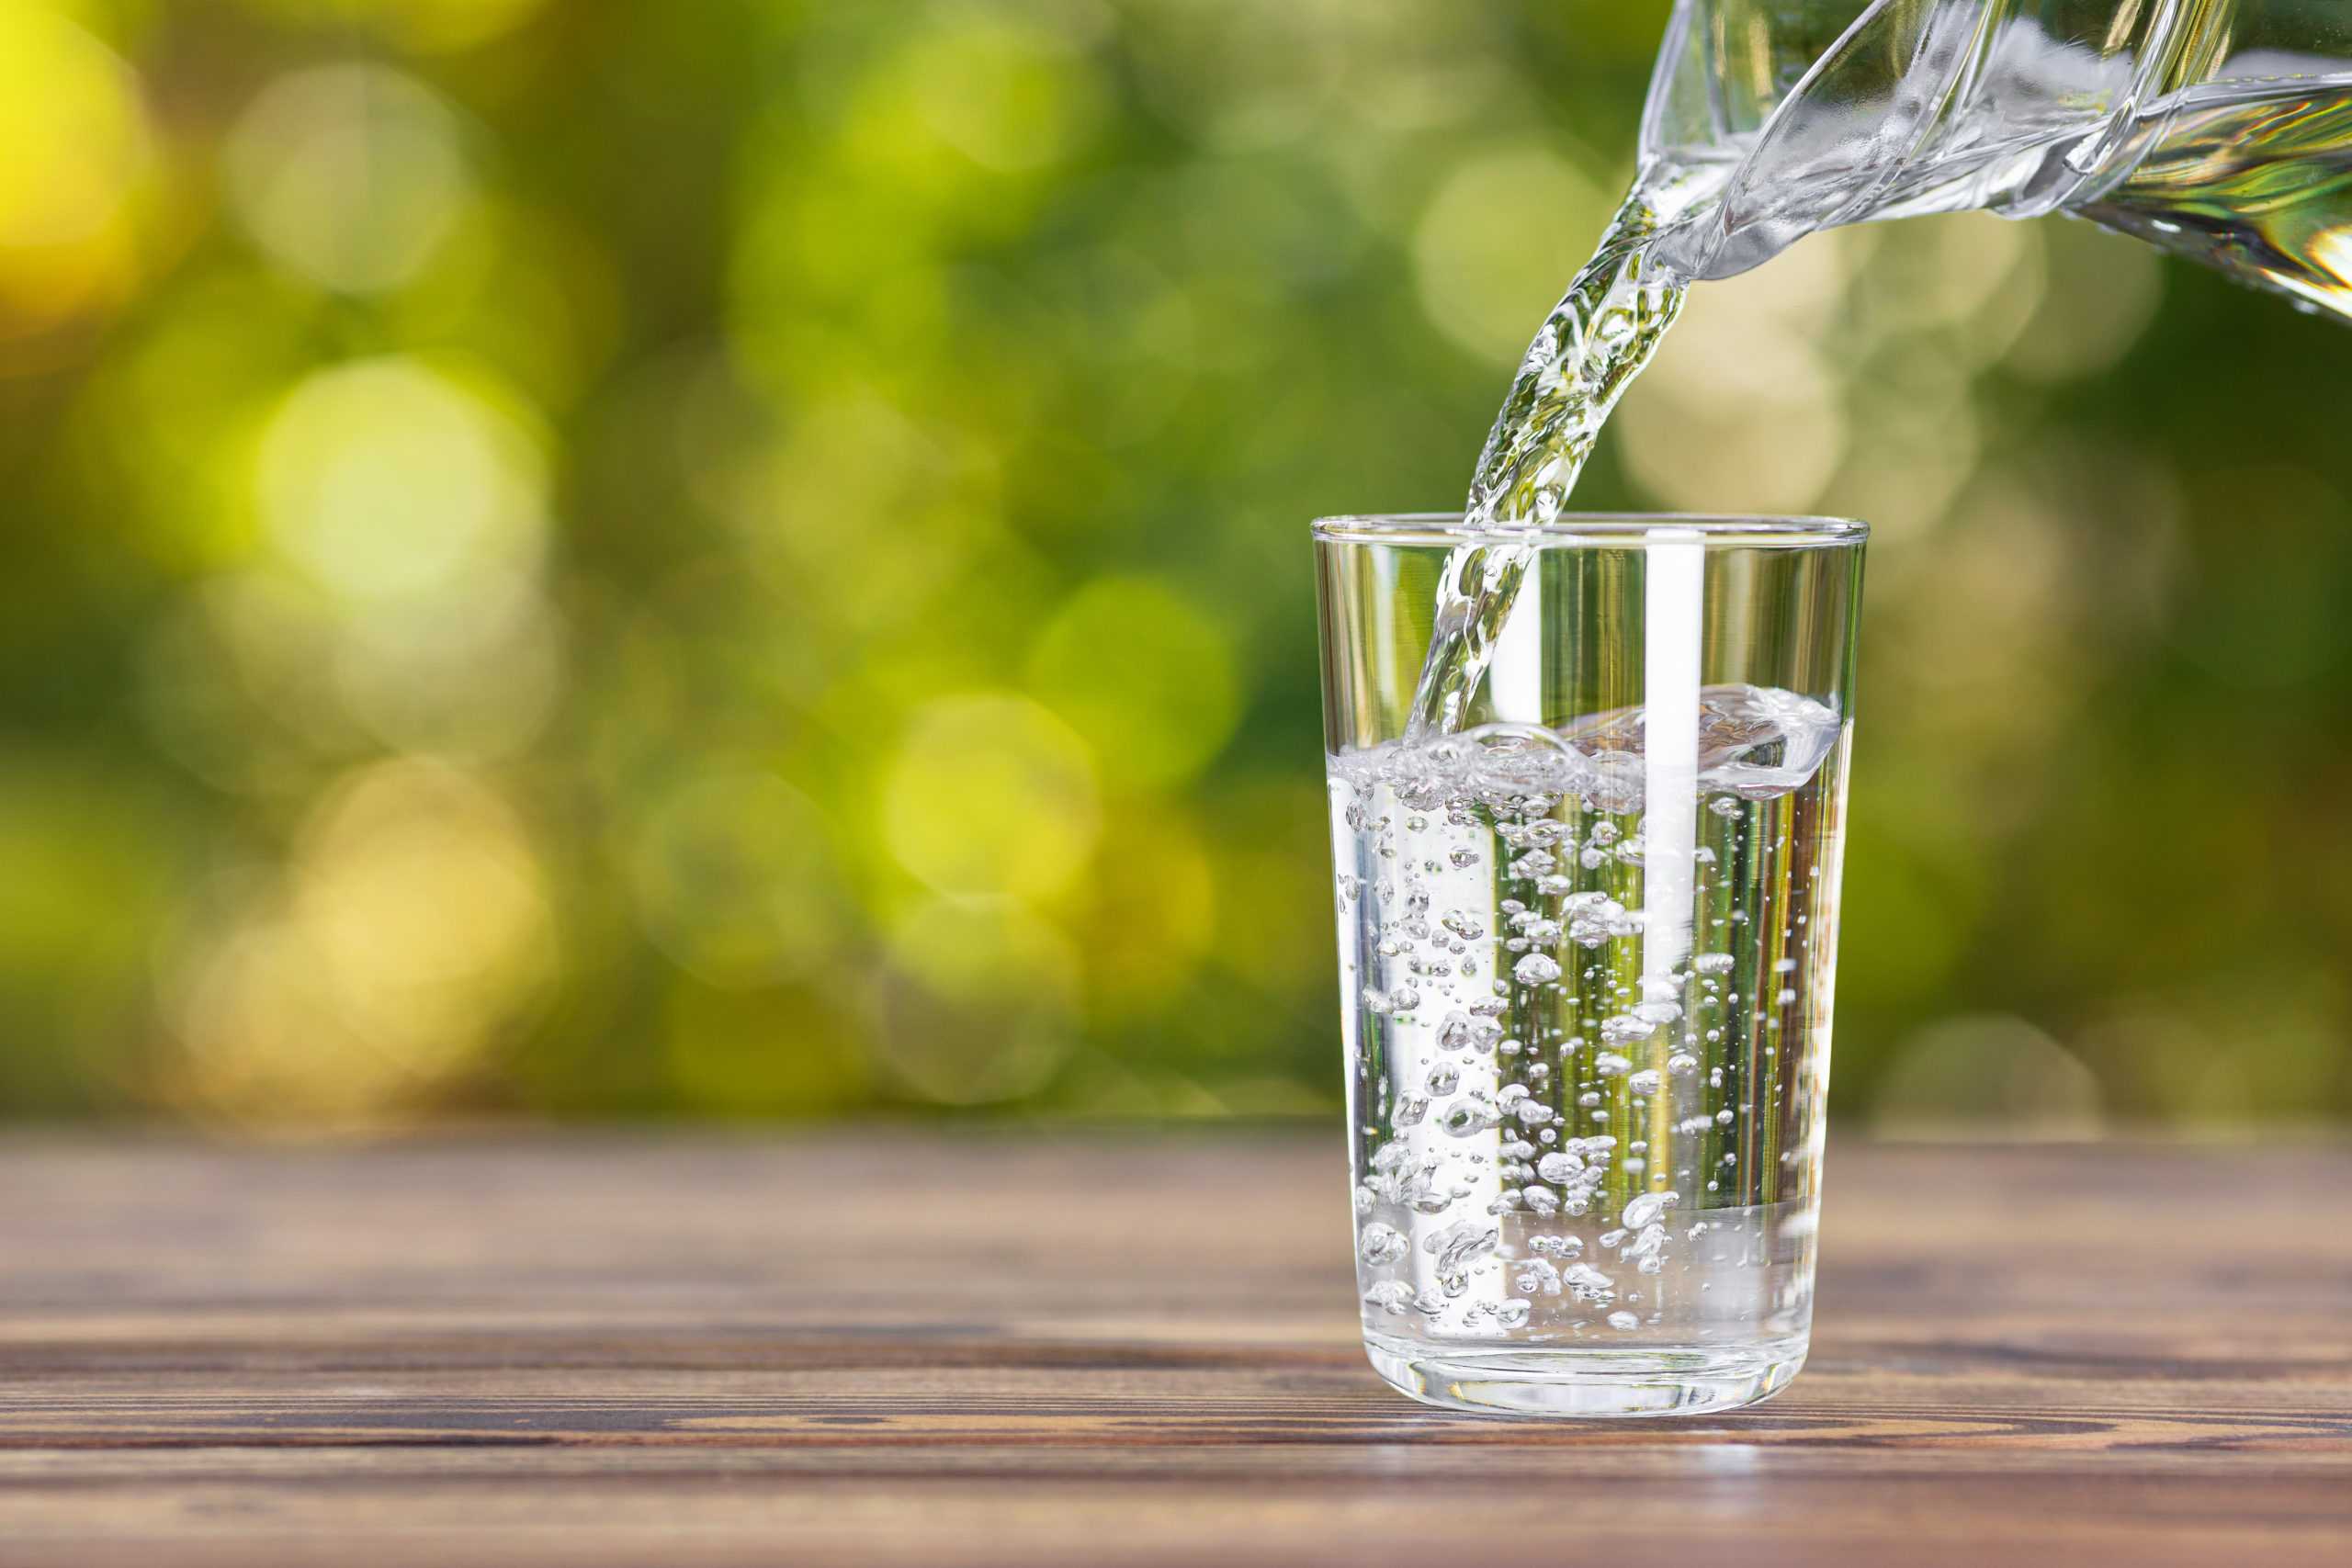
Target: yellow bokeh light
point(349, 175)
point(414, 926)
point(426, 905)
point(384, 476)
point(1740, 412)
point(1497, 244)
point(75, 148)
point(470, 672)
point(71, 122)
point(1143, 674)
point(1938, 272)
point(268, 1042)
point(992, 794)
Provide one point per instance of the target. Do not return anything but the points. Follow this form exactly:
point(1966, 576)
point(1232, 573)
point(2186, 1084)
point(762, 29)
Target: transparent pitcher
point(2218, 129)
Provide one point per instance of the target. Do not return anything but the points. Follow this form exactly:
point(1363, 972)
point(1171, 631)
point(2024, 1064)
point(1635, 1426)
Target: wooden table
point(943, 1348)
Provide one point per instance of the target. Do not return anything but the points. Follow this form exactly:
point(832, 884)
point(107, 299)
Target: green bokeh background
point(746, 558)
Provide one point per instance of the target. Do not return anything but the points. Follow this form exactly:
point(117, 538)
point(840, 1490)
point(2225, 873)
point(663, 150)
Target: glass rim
point(1715, 530)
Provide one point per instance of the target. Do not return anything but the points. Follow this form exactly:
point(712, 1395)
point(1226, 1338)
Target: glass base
point(1586, 1380)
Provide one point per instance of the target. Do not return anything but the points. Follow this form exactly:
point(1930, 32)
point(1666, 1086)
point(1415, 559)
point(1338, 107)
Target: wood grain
point(920, 1347)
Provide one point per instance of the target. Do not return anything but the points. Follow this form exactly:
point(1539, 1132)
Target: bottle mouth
point(1622, 530)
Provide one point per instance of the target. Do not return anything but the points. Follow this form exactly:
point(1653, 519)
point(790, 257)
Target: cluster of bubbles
point(1755, 743)
point(1451, 990)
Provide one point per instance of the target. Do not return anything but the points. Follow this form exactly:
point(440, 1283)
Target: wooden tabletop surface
point(943, 1348)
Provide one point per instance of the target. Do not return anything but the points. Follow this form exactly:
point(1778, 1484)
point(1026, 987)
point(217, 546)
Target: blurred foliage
point(747, 559)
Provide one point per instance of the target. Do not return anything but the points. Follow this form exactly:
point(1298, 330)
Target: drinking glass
point(1588, 938)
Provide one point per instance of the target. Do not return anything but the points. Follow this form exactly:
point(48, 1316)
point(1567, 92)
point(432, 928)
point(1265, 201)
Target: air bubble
point(1381, 1244)
point(1460, 1245)
point(1587, 1283)
point(1645, 1210)
point(1470, 1114)
point(1623, 1030)
point(1536, 1277)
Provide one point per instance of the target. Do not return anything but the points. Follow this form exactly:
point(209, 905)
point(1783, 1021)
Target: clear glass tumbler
point(1588, 938)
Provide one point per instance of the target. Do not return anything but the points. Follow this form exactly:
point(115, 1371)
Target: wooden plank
point(914, 1348)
